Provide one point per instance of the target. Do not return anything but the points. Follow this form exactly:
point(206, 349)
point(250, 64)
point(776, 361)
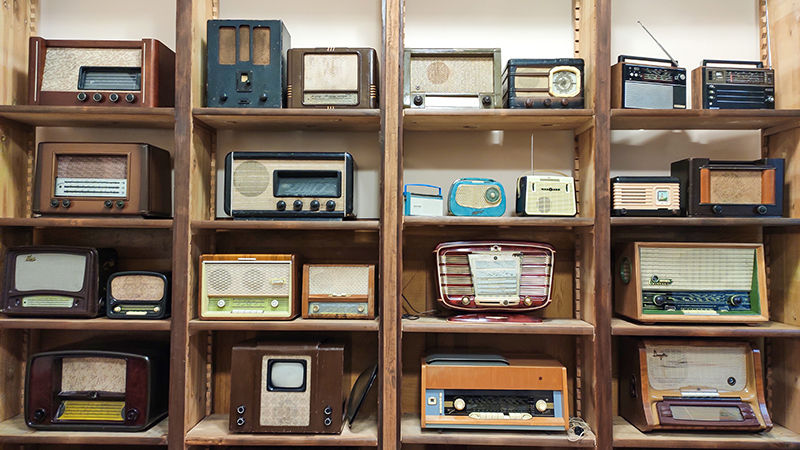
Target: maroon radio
point(494, 276)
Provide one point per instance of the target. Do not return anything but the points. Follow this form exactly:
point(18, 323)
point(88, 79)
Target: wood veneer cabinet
point(579, 328)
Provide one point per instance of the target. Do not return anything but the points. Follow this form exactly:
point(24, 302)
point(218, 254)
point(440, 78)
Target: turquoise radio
point(477, 197)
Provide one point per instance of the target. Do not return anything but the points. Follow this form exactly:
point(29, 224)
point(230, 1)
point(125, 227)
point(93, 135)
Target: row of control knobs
point(113, 97)
point(330, 205)
point(66, 203)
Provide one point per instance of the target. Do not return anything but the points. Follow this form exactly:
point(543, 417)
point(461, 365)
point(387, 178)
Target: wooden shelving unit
point(579, 328)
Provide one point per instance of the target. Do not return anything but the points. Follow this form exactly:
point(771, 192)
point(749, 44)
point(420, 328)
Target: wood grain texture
point(18, 21)
point(85, 222)
point(495, 119)
point(16, 154)
point(704, 221)
point(100, 323)
point(89, 116)
point(311, 225)
point(464, 221)
point(298, 324)
point(283, 119)
point(546, 327)
point(623, 327)
point(14, 431)
point(702, 119)
point(784, 27)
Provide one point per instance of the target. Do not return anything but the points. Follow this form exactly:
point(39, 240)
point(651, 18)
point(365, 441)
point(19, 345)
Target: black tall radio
point(733, 87)
point(647, 86)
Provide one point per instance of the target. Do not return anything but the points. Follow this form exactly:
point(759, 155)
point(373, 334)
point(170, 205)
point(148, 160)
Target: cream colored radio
point(549, 195)
point(339, 291)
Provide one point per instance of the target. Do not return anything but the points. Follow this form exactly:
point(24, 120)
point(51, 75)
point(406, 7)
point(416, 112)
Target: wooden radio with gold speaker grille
point(339, 291)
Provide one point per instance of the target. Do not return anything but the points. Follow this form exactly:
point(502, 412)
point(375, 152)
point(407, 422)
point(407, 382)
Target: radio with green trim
point(56, 281)
point(248, 287)
point(692, 282)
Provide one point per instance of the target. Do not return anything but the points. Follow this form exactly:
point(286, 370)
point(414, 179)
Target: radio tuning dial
point(330, 205)
point(459, 404)
point(541, 406)
point(529, 103)
point(314, 205)
point(130, 98)
point(117, 309)
point(315, 308)
point(132, 414)
point(82, 96)
point(736, 300)
point(717, 209)
point(528, 301)
point(681, 77)
point(156, 309)
point(465, 301)
point(108, 204)
point(274, 303)
point(281, 205)
point(487, 100)
point(564, 102)
point(761, 210)
point(418, 100)
point(297, 205)
point(54, 203)
point(97, 97)
point(120, 204)
point(659, 300)
point(361, 308)
point(547, 102)
point(114, 98)
point(221, 303)
point(66, 203)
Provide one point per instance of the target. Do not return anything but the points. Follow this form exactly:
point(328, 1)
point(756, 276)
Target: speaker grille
point(338, 280)
point(91, 166)
point(742, 187)
point(250, 179)
point(62, 65)
point(93, 374)
point(648, 95)
point(248, 279)
point(452, 74)
point(698, 268)
point(137, 287)
point(330, 72)
point(287, 409)
point(473, 196)
point(676, 367)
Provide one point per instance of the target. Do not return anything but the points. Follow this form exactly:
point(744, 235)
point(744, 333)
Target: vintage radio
point(646, 196)
point(490, 392)
point(332, 78)
point(287, 388)
point(476, 197)
point(338, 291)
point(97, 390)
point(692, 282)
point(246, 64)
point(452, 78)
point(647, 86)
point(248, 287)
point(138, 295)
point(498, 276)
point(692, 385)
point(292, 185)
point(543, 83)
point(733, 87)
point(56, 281)
point(548, 195)
point(731, 188)
point(110, 73)
point(88, 178)
point(417, 204)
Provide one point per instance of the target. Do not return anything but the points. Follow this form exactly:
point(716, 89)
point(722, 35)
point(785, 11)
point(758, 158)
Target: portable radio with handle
point(477, 197)
point(647, 86)
point(546, 195)
point(726, 87)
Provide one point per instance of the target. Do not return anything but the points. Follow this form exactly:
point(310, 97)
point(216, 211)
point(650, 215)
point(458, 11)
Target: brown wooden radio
point(110, 73)
point(692, 385)
point(90, 178)
point(338, 291)
point(335, 77)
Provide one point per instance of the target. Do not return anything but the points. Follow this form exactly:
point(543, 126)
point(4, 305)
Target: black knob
point(328, 421)
point(113, 97)
point(223, 97)
point(717, 209)
point(132, 414)
point(564, 102)
point(108, 204)
point(659, 300)
point(736, 300)
point(130, 98)
point(93, 394)
point(66, 203)
point(281, 205)
point(529, 103)
point(98, 97)
point(82, 96)
point(731, 381)
point(39, 414)
point(314, 205)
point(487, 100)
point(54, 202)
point(547, 102)
point(297, 205)
point(330, 205)
point(263, 97)
point(120, 204)
point(328, 411)
point(623, 212)
point(418, 100)
point(761, 210)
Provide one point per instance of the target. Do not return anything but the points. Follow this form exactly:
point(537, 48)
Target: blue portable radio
point(477, 197)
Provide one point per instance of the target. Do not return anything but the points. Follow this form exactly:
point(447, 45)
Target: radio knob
point(297, 205)
point(315, 308)
point(97, 97)
point(281, 205)
point(761, 210)
point(418, 100)
point(66, 203)
point(547, 102)
point(113, 97)
point(330, 205)
point(681, 77)
point(156, 309)
point(487, 100)
point(263, 97)
point(541, 406)
point(82, 96)
point(54, 203)
point(465, 301)
point(528, 301)
point(459, 404)
point(132, 414)
point(117, 309)
point(736, 300)
point(529, 103)
point(220, 303)
point(108, 204)
point(120, 204)
point(314, 205)
point(770, 99)
point(564, 102)
point(361, 308)
point(659, 300)
point(39, 414)
point(717, 209)
point(130, 98)
point(274, 303)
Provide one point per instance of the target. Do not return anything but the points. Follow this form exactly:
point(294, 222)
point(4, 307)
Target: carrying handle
point(405, 188)
point(758, 64)
point(623, 58)
point(737, 165)
point(476, 179)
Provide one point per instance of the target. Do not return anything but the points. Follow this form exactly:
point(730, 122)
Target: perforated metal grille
point(91, 166)
point(338, 280)
point(474, 196)
point(250, 178)
point(452, 74)
point(247, 278)
point(62, 65)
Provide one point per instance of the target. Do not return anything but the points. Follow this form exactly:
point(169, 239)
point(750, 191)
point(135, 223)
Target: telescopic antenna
point(673, 60)
point(769, 41)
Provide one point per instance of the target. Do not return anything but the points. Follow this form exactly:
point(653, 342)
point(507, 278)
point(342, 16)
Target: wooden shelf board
point(448, 221)
point(698, 119)
point(89, 116)
point(412, 433)
point(15, 431)
point(230, 225)
point(626, 435)
point(99, 323)
point(289, 119)
point(705, 221)
point(213, 430)
point(623, 327)
point(546, 327)
point(298, 324)
point(85, 222)
point(497, 119)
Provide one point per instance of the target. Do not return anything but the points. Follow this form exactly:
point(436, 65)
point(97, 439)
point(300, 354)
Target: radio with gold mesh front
point(291, 185)
point(248, 287)
point(692, 282)
point(543, 83)
point(339, 291)
point(138, 295)
point(332, 78)
point(111, 73)
point(692, 385)
point(452, 78)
